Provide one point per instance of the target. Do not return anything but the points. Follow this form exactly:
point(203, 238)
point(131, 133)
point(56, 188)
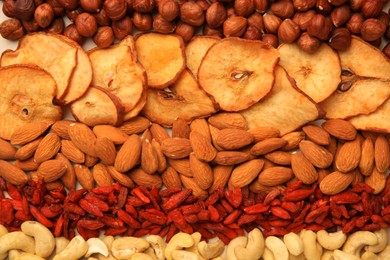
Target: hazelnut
point(11, 29)
point(115, 9)
point(323, 7)
point(203, 4)
point(8, 8)
point(320, 27)
point(308, 43)
point(169, 9)
point(271, 39)
point(192, 14)
point(304, 5)
point(356, 4)
point(386, 50)
point(122, 28)
point(143, 6)
point(355, 23)
point(92, 6)
point(142, 22)
point(57, 26)
point(102, 18)
point(58, 9)
point(372, 29)
point(256, 20)
point(31, 25)
point(387, 33)
point(234, 26)
point(185, 31)
point(252, 33)
point(104, 37)
point(24, 9)
point(212, 32)
point(163, 26)
point(288, 31)
point(303, 19)
point(44, 15)
point(69, 4)
point(244, 7)
point(216, 15)
point(271, 23)
point(72, 33)
point(230, 12)
point(340, 39)
point(283, 9)
point(376, 43)
point(86, 24)
point(384, 18)
point(337, 2)
point(371, 8)
point(74, 13)
point(340, 15)
point(130, 9)
point(261, 5)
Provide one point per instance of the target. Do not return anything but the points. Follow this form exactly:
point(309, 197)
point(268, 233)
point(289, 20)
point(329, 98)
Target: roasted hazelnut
point(92, 6)
point(72, 14)
point(340, 15)
point(230, 12)
point(387, 33)
point(261, 5)
point(377, 43)
point(308, 43)
point(86, 24)
point(58, 9)
point(372, 29)
point(320, 27)
point(356, 4)
point(303, 19)
point(142, 22)
point(337, 2)
point(163, 26)
point(192, 14)
point(8, 8)
point(244, 7)
point(256, 20)
point(371, 8)
point(104, 37)
point(340, 39)
point(234, 26)
point(283, 9)
point(69, 4)
point(102, 18)
point(185, 31)
point(288, 31)
point(323, 7)
point(31, 25)
point(11, 29)
point(384, 18)
point(24, 9)
point(386, 50)
point(216, 15)
point(271, 23)
point(122, 28)
point(72, 33)
point(355, 23)
point(169, 9)
point(143, 6)
point(57, 26)
point(252, 33)
point(115, 9)
point(304, 5)
point(130, 9)
point(203, 4)
point(271, 39)
point(44, 15)
point(212, 32)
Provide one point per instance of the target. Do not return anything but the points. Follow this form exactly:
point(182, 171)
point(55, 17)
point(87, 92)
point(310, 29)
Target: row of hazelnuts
point(309, 22)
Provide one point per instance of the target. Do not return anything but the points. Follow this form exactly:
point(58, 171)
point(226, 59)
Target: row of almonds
point(203, 155)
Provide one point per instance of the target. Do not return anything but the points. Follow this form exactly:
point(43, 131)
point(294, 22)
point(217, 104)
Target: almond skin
point(267, 146)
point(70, 151)
point(12, 174)
point(348, 156)
point(221, 177)
point(340, 128)
point(201, 172)
point(27, 150)
point(69, 177)
point(382, 154)
point(101, 175)
point(367, 159)
point(279, 157)
point(158, 133)
point(171, 178)
point(176, 148)
point(105, 150)
point(84, 176)
point(303, 169)
point(182, 166)
point(201, 126)
point(228, 120)
point(111, 132)
point(121, 178)
point(316, 134)
point(275, 176)
point(377, 180)
point(142, 178)
point(231, 157)
point(27, 165)
point(149, 160)
point(135, 125)
point(336, 182)
point(293, 139)
point(180, 128)
point(7, 150)
point(190, 183)
point(233, 139)
point(47, 148)
point(162, 161)
point(83, 137)
point(61, 128)
point(317, 155)
point(245, 173)
point(29, 132)
point(264, 132)
point(129, 154)
point(202, 148)
point(51, 170)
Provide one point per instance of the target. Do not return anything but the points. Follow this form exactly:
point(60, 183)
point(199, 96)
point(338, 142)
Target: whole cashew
point(3, 231)
point(277, 247)
point(331, 241)
point(95, 245)
point(385, 254)
point(158, 245)
point(327, 255)
point(311, 250)
point(358, 240)
point(125, 247)
point(254, 248)
point(179, 241)
point(211, 250)
point(61, 244)
point(107, 240)
point(293, 243)
point(297, 257)
point(25, 256)
point(341, 255)
point(150, 252)
point(382, 241)
point(238, 241)
point(368, 255)
point(17, 240)
point(141, 256)
point(183, 254)
point(268, 255)
point(194, 248)
point(76, 249)
point(44, 239)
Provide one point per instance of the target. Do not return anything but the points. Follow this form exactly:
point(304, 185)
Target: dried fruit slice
point(48, 51)
point(27, 94)
point(238, 72)
point(196, 49)
point(365, 82)
point(162, 56)
point(97, 107)
point(184, 99)
point(317, 75)
point(285, 108)
point(138, 107)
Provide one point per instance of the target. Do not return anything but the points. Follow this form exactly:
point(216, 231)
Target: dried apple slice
point(196, 49)
point(365, 83)
point(317, 75)
point(48, 51)
point(238, 72)
point(184, 99)
point(27, 94)
point(285, 108)
point(98, 107)
point(162, 56)
point(138, 107)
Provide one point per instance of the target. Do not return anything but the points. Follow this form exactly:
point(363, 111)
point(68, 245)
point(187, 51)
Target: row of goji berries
point(225, 213)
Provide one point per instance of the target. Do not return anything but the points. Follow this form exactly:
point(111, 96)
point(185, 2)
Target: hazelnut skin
point(337, 2)
point(244, 7)
point(143, 6)
point(288, 31)
point(212, 32)
point(234, 26)
point(24, 9)
point(169, 9)
point(256, 20)
point(271, 39)
point(142, 22)
point(323, 7)
point(356, 4)
point(8, 8)
point(122, 28)
point(185, 31)
point(44, 15)
point(163, 26)
point(69, 4)
point(371, 8)
point(372, 29)
point(57, 26)
point(355, 23)
point(192, 14)
point(384, 18)
point(303, 19)
point(58, 9)
point(320, 27)
point(104, 37)
point(86, 24)
point(102, 18)
point(72, 33)
point(252, 33)
point(386, 50)
point(261, 5)
point(203, 4)
point(283, 9)
point(308, 43)
point(303, 5)
point(72, 14)
point(216, 15)
point(92, 6)
point(31, 25)
point(271, 23)
point(340, 15)
point(11, 29)
point(115, 9)
point(340, 39)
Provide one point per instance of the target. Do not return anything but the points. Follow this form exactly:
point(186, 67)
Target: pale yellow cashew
point(382, 241)
point(76, 249)
point(297, 257)
point(341, 255)
point(107, 240)
point(277, 247)
point(369, 256)
point(96, 246)
point(125, 247)
point(179, 241)
point(28, 256)
point(327, 255)
point(141, 256)
point(3, 231)
point(183, 255)
point(61, 244)
point(218, 258)
point(44, 239)
point(158, 245)
point(211, 250)
point(293, 243)
point(312, 250)
point(194, 248)
point(150, 252)
point(254, 248)
point(268, 255)
point(385, 254)
point(356, 241)
point(238, 241)
point(331, 241)
point(16, 240)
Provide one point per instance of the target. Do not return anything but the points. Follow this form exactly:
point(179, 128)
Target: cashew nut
point(141, 256)
point(254, 248)
point(385, 254)
point(150, 252)
point(3, 230)
point(358, 240)
point(158, 245)
point(76, 249)
point(194, 248)
point(218, 258)
point(44, 239)
point(268, 255)
point(183, 254)
point(382, 241)
point(125, 247)
point(95, 245)
point(368, 255)
point(28, 256)
point(108, 240)
point(327, 255)
point(331, 241)
point(13, 254)
point(211, 250)
point(297, 257)
point(92, 258)
point(238, 241)
point(341, 255)
point(293, 243)
point(177, 242)
point(311, 250)
point(17, 240)
point(277, 247)
point(61, 244)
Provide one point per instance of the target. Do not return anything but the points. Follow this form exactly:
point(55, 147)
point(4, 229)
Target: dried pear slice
point(317, 74)
point(98, 107)
point(48, 51)
point(184, 99)
point(27, 94)
point(365, 82)
point(162, 56)
point(285, 108)
point(238, 72)
point(138, 107)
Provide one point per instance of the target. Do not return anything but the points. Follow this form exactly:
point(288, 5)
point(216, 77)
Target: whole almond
point(245, 173)
point(83, 137)
point(202, 148)
point(269, 164)
point(158, 133)
point(54, 185)
point(201, 126)
point(146, 135)
point(279, 157)
point(69, 177)
point(233, 139)
point(101, 175)
point(176, 148)
point(27, 151)
point(303, 169)
point(267, 146)
point(7, 150)
point(336, 182)
point(182, 166)
point(228, 120)
point(293, 139)
point(180, 128)
point(340, 128)
point(256, 187)
point(382, 154)
point(51, 170)
point(221, 177)
point(12, 174)
point(90, 161)
point(275, 176)
point(162, 161)
point(322, 173)
point(142, 178)
point(149, 160)
point(121, 178)
point(129, 154)
point(70, 151)
point(348, 156)
point(214, 133)
point(316, 134)
point(47, 148)
point(332, 146)
point(367, 159)
point(105, 150)
point(316, 154)
point(84, 176)
point(377, 180)
point(61, 128)
point(231, 157)
point(201, 172)
point(27, 165)
point(111, 132)
point(264, 132)
point(171, 178)
point(135, 125)
point(190, 183)
point(359, 178)
point(29, 132)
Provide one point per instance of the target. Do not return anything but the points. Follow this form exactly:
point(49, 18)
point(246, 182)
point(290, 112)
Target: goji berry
point(115, 231)
point(271, 196)
point(90, 208)
point(297, 195)
point(280, 212)
point(234, 197)
point(246, 218)
point(212, 199)
point(168, 192)
point(103, 190)
point(23, 216)
point(125, 217)
point(257, 208)
point(73, 208)
point(289, 206)
point(40, 217)
point(13, 192)
point(214, 215)
point(176, 199)
point(346, 197)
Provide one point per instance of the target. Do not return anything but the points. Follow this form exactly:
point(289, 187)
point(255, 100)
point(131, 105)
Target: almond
point(70, 151)
point(158, 133)
point(84, 176)
point(101, 175)
point(146, 135)
point(27, 165)
point(201, 126)
point(54, 185)
point(348, 156)
point(336, 182)
point(332, 146)
point(162, 161)
point(275, 176)
point(245, 173)
point(121, 178)
point(377, 180)
point(61, 128)
point(105, 150)
point(201, 172)
point(180, 128)
point(7, 150)
point(29, 132)
point(382, 154)
point(221, 177)
point(51, 170)
point(12, 174)
point(190, 183)
point(316, 134)
point(214, 133)
point(135, 125)
point(340, 128)
point(47, 148)
point(171, 178)
point(111, 132)
point(267, 146)
point(367, 159)
point(293, 139)
point(279, 157)
point(233, 139)
point(358, 179)
point(176, 148)
point(321, 174)
point(149, 160)
point(228, 120)
point(90, 161)
point(182, 166)
point(83, 137)
point(69, 177)
point(316, 154)
point(142, 178)
point(264, 132)
point(303, 169)
point(269, 164)
point(129, 154)
point(202, 148)
point(27, 150)
point(231, 157)
point(256, 187)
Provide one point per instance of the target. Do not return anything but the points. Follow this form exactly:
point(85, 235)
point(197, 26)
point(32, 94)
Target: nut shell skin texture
point(86, 24)
point(24, 9)
point(372, 29)
point(11, 29)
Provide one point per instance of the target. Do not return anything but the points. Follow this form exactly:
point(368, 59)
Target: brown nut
point(203, 4)
point(230, 12)
point(130, 9)
point(244, 7)
point(74, 13)
point(303, 5)
point(355, 23)
point(72, 33)
point(308, 43)
point(323, 7)
point(256, 20)
point(271, 39)
point(234, 26)
point(320, 27)
point(377, 43)
point(192, 14)
point(283, 9)
point(69, 4)
point(185, 31)
point(216, 15)
point(104, 37)
point(288, 31)
point(261, 5)
point(86, 24)
point(340, 15)
point(102, 19)
point(58, 9)
point(271, 23)
point(337, 2)
point(122, 28)
point(92, 6)
point(31, 25)
point(142, 22)
point(143, 6)
point(252, 33)
point(387, 33)
point(44, 15)
point(115, 9)
point(218, 32)
point(8, 8)
point(303, 19)
point(163, 26)
point(356, 4)
point(386, 50)
point(169, 9)
point(57, 26)
point(340, 39)
point(372, 29)
point(11, 29)
point(24, 9)
point(384, 18)
point(371, 8)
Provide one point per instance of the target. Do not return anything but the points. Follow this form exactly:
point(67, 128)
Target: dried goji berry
point(293, 186)
point(315, 227)
point(163, 232)
point(371, 227)
point(346, 197)
point(275, 232)
point(289, 206)
point(223, 238)
point(203, 215)
point(349, 226)
point(40, 217)
point(297, 195)
point(271, 196)
point(176, 199)
point(154, 216)
point(214, 215)
point(361, 221)
point(23, 216)
point(97, 202)
point(213, 198)
point(257, 208)
point(138, 193)
point(125, 217)
point(114, 231)
point(234, 197)
point(232, 217)
point(172, 231)
point(227, 206)
point(90, 208)
point(59, 226)
point(75, 195)
point(73, 208)
point(314, 214)
point(153, 198)
point(191, 218)
point(279, 223)
point(168, 192)
point(246, 218)
point(91, 224)
point(280, 212)
point(13, 192)
point(103, 190)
